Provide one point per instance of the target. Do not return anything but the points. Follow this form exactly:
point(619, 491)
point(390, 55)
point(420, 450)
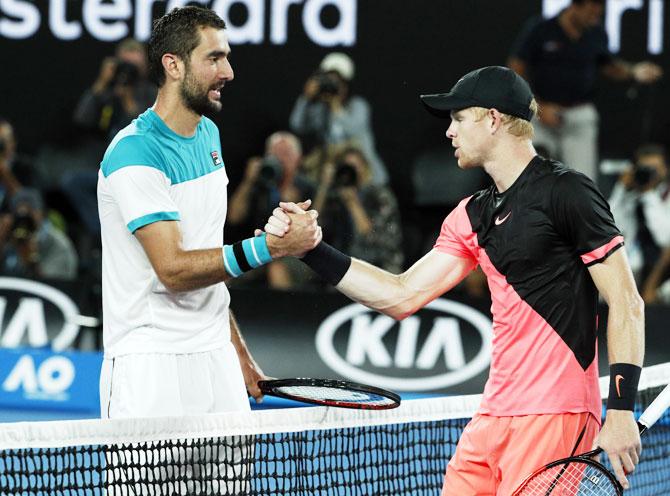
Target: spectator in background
point(268, 180)
point(561, 57)
point(640, 203)
point(357, 215)
point(9, 185)
point(120, 92)
point(118, 95)
point(30, 245)
point(656, 288)
point(327, 113)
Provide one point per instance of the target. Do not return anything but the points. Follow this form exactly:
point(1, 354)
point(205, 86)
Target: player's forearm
point(625, 330)
point(380, 290)
point(193, 269)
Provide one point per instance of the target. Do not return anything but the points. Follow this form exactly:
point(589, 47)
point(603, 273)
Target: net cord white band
point(117, 431)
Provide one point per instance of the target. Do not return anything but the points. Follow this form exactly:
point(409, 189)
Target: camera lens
point(345, 175)
point(271, 171)
point(644, 174)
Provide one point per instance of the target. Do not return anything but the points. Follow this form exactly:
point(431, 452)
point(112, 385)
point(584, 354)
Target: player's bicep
point(435, 273)
point(614, 279)
point(161, 242)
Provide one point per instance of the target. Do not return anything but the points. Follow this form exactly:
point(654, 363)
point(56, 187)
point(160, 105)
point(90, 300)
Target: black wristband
point(328, 262)
point(624, 378)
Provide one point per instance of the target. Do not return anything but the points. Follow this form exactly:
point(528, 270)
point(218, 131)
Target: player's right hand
point(303, 235)
point(279, 222)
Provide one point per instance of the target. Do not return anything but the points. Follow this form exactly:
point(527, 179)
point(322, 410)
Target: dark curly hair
point(178, 32)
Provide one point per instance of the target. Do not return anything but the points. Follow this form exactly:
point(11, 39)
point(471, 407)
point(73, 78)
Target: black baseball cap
point(489, 87)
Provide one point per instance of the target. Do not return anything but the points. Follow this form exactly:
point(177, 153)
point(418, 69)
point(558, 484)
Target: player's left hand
point(252, 373)
point(620, 439)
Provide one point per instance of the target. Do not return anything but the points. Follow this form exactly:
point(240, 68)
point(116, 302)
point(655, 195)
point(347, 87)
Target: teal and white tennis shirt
point(150, 174)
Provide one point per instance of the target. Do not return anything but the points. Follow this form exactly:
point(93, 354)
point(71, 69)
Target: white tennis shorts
point(159, 384)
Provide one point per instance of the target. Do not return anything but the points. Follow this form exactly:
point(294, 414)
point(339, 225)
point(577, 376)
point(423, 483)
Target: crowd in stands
point(327, 153)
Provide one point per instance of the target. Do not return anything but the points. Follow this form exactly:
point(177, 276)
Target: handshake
point(292, 230)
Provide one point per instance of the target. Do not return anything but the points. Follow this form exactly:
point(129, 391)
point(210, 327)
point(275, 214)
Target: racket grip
point(656, 409)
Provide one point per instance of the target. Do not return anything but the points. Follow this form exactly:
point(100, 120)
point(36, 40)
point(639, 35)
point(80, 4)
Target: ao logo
point(365, 340)
point(30, 318)
point(48, 381)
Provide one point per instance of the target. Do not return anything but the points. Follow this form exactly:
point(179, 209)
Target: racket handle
point(656, 409)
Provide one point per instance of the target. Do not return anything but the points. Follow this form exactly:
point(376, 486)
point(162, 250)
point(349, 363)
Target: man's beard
point(195, 97)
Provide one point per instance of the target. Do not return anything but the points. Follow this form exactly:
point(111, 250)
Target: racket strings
point(336, 394)
point(575, 479)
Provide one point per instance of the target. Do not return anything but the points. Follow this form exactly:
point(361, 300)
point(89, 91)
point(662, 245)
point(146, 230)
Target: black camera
point(24, 226)
point(127, 74)
point(328, 84)
point(271, 172)
point(345, 175)
point(643, 175)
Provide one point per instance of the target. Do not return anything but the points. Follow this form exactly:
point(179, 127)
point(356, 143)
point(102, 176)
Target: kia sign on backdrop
point(36, 314)
point(424, 352)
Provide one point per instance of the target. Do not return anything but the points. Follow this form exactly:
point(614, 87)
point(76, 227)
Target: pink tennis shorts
point(496, 454)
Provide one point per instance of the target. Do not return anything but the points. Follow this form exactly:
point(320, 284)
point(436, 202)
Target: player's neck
point(172, 111)
point(508, 162)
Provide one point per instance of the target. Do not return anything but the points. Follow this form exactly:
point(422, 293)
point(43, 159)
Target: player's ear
point(495, 119)
point(173, 66)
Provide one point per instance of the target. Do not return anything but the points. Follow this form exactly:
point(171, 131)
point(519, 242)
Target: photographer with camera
point(327, 113)
point(9, 184)
point(640, 202)
point(268, 180)
point(119, 93)
point(31, 246)
point(358, 216)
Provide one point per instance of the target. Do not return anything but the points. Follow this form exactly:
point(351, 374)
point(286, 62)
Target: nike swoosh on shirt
point(618, 378)
point(500, 221)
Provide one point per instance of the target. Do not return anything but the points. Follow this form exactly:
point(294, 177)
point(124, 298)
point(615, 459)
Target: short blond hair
point(516, 126)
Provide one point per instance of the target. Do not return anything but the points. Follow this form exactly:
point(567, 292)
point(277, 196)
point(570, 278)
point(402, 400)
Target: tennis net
point(301, 451)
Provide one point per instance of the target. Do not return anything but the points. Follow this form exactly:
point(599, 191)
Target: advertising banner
point(40, 379)
point(445, 348)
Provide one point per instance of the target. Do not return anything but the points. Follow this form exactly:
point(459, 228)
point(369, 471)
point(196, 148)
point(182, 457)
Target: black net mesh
point(406, 458)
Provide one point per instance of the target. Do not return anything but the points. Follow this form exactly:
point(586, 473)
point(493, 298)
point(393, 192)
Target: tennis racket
point(329, 392)
point(582, 476)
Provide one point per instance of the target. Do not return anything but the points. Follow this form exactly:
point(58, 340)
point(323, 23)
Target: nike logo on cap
point(500, 221)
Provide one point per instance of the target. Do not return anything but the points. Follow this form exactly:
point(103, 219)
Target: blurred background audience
point(561, 58)
point(120, 92)
point(328, 114)
point(31, 245)
point(274, 177)
point(359, 217)
point(389, 217)
point(640, 202)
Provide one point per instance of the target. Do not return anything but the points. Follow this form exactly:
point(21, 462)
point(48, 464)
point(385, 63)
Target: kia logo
point(424, 357)
point(39, 313)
